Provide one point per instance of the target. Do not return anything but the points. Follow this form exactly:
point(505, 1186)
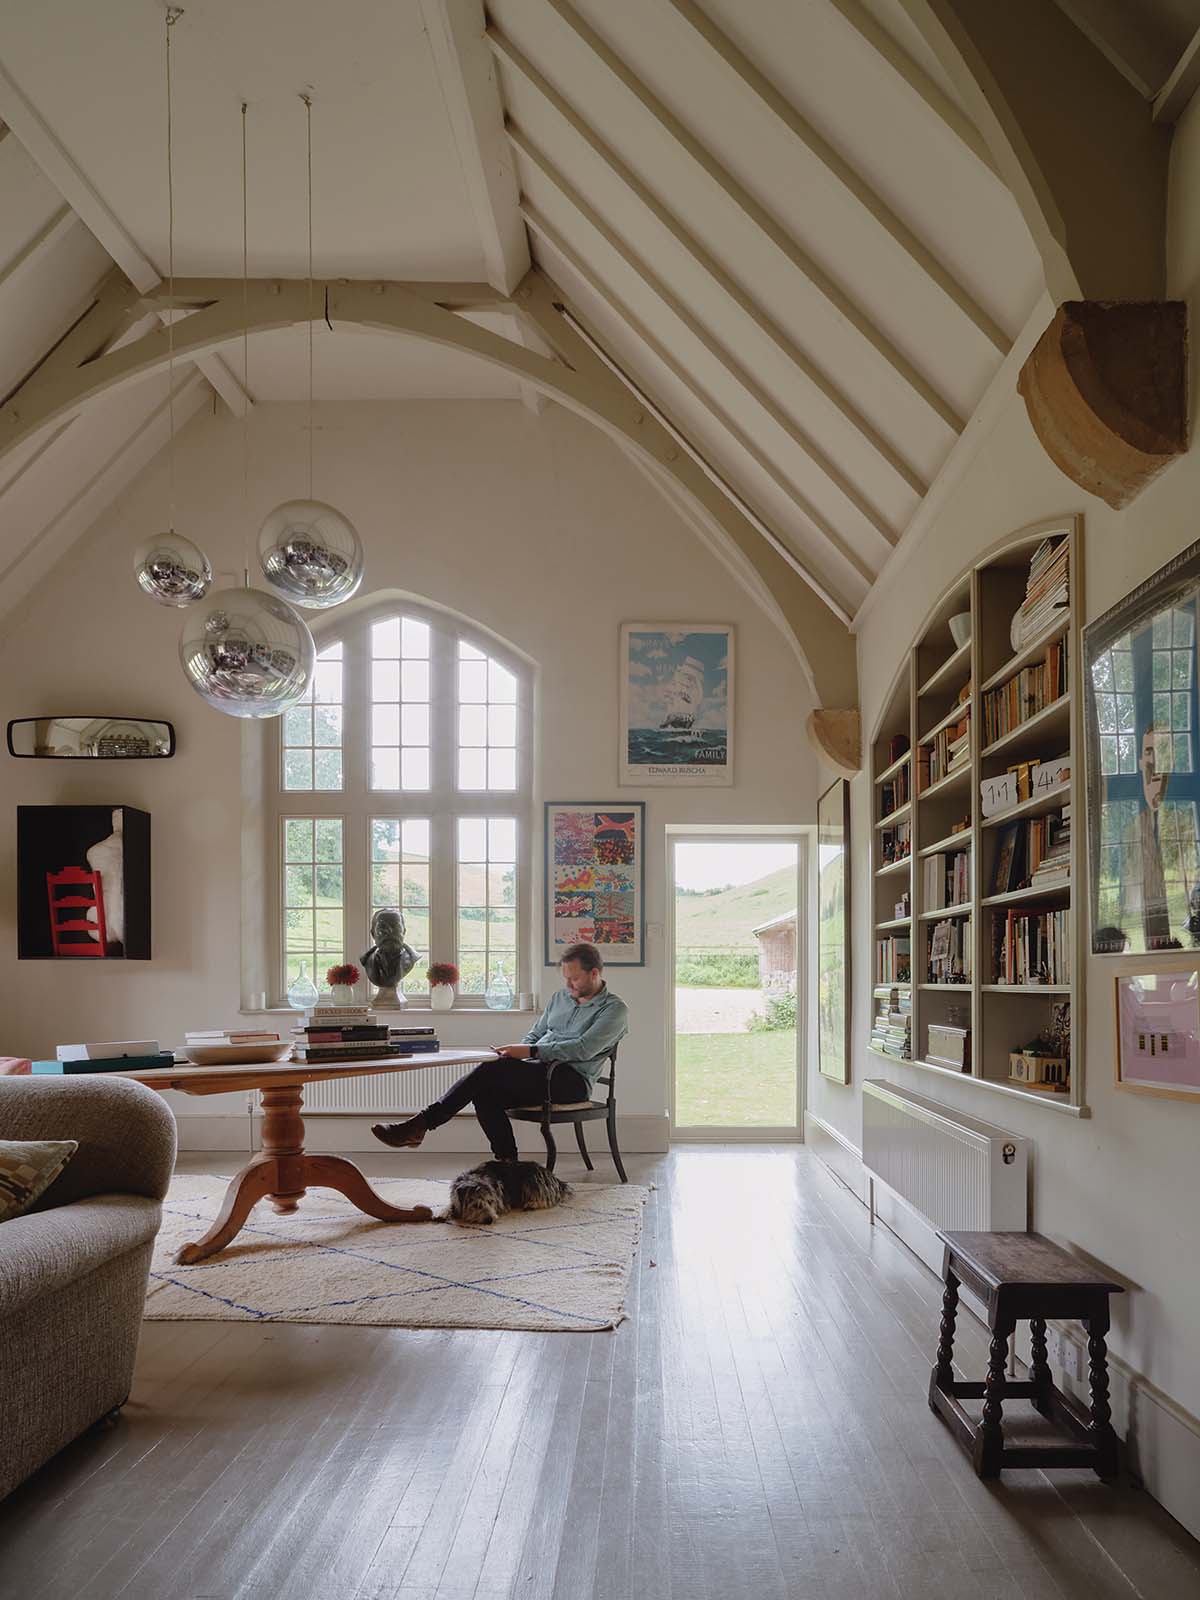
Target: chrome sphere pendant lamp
point(309, 552)
point(245, 653)
point(168, 567)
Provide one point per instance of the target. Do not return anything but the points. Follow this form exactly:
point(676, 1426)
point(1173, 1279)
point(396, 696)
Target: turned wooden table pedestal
point(1023, 1275)
point(283, 1170)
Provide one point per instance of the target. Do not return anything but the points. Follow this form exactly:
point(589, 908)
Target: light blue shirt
point(580, 1032)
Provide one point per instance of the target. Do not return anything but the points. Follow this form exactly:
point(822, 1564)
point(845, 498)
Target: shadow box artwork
point(596, 880)
point(676, 704)
point(83, 883)
point(1158, 1034)
point(833, 932)
point(1143, 765)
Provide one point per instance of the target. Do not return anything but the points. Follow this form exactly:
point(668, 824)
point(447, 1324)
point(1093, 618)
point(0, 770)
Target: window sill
point(405, 1011)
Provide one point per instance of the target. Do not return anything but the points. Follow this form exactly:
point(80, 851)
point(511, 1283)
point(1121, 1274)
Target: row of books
point(895, 844)
point(950, 951)
point(355, 1033)
point(946, 752)
point(891, 1029)
point(1035, 852)
point(897, 791)
point(1023, 696)
point(1047, 593)
point(946, 880)
point(893, 959)
point(1032, 947)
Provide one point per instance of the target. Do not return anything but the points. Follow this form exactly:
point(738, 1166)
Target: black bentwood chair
point(578, 1112)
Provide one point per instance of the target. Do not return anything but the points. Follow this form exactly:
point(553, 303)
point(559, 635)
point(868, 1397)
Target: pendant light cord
point(308, 120)
point(245, 363)
point(173, 15)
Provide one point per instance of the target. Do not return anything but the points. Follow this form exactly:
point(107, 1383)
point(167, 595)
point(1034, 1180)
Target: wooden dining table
point(283, 1170)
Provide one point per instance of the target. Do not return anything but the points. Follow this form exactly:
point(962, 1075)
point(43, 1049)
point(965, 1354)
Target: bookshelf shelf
point(1020, 571)
point(960, 661)
point(1034, 731)
point(890, 772)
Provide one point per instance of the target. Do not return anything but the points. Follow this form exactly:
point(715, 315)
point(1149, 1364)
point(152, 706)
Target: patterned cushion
point(27, 1169)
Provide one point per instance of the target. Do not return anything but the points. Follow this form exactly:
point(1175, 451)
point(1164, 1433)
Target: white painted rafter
point(40, 246)
point(917, 251)
point(841, 302)
point(745, 380)
point(703, 258)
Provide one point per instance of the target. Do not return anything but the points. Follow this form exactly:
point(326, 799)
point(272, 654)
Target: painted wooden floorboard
point(757, 1427)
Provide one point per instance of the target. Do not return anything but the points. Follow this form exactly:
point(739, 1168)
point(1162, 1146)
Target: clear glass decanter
point(498, 996)
point(302, 991)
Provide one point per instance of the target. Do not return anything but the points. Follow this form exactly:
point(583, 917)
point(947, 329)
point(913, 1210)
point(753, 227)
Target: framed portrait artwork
point(676, 704)
point(1143, 765)
point(596, 879)
point(1158, 1034)
point(833, 932)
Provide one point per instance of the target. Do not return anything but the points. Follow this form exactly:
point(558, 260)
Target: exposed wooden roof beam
point(919, 253)
point(707, 262)
point(741, 198)
point(86, 201)
point(719, 352)
point(917, 79)
point(59, 225)
point(571, 258)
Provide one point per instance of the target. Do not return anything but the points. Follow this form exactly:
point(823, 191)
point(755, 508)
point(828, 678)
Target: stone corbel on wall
point(836, 736)
point(1106, 391)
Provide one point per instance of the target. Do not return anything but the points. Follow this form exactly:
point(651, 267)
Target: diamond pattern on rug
point(558, 1270)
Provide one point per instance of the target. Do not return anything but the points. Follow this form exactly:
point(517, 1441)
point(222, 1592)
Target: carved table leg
point(283, 1143)
point(943, 1373)
point(335, 1172)
point(1039, 1368)
point(989, 1440)
point(1102, 1434)
point(252, 1184)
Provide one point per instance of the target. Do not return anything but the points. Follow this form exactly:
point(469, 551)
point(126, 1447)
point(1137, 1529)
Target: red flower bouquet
point(442, 972)
point(347, 973)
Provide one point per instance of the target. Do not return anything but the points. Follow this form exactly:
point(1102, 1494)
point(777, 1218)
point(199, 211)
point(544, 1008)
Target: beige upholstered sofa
point(73, 1270)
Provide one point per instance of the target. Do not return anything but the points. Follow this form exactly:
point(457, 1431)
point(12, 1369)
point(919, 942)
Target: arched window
point(404, 780)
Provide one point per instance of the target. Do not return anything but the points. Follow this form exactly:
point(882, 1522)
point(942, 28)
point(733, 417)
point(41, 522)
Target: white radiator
point(384, 1092)
point(955, 1170)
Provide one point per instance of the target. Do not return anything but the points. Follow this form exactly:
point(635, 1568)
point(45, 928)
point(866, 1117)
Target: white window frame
point(443, 802)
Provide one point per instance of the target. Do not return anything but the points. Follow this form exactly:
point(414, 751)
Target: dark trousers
point(496, 1085)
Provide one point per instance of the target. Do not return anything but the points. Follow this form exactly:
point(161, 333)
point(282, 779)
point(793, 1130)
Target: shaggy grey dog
point(487, 1192)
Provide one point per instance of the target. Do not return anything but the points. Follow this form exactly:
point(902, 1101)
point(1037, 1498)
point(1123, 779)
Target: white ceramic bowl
point(960, 628)
point(236, 1055)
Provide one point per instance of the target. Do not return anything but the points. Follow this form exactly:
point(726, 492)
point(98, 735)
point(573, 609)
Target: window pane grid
point(487, 925)
point(487, 722)
point(401, 861)
point(312, 731)
point(314, 906)
point(401, 720)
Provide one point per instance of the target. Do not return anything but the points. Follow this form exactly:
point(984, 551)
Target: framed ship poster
point(833, 932)
point(676, 704)
point(596, 880)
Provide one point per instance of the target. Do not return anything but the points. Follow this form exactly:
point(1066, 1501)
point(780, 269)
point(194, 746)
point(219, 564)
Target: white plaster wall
point(535, 527)
point(1123, 1185)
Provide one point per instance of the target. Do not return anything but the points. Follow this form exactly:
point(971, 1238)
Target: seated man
point(571, 1039)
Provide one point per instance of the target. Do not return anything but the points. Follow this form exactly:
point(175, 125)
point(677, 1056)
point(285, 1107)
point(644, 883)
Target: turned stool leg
point(942, 1375)
point(989, 1441)
point(1039, 1369)
point(1102, 1434)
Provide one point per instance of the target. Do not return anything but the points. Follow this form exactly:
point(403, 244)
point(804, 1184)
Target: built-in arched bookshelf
point(931, 839)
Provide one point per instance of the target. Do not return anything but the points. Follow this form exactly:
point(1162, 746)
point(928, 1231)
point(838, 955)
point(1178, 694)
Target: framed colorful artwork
point(676, 704)
point(833, 932)
point(1142, 721)
point(1158, 1034)
point(596, 880)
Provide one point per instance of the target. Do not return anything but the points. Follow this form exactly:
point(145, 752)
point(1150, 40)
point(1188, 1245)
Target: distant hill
point(728, 918)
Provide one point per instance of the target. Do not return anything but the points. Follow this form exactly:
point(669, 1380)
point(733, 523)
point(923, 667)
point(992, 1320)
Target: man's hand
point(512, 1052)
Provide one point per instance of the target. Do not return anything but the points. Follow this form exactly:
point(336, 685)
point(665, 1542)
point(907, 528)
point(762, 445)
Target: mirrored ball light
point(248, 654)
point(171, 570)
point(310, 554)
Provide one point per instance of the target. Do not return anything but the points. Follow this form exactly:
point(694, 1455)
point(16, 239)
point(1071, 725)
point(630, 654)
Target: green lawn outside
point(735, 1080)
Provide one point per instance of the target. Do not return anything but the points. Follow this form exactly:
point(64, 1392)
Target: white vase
point(342, 994)
point(441, 996)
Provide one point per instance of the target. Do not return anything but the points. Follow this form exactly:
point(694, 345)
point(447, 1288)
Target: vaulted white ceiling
point(776, 220)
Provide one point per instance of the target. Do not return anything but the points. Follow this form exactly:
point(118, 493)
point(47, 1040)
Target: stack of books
point(217, 1037)
point(1024, 695)
point(947, 880)
point(118, 1055)
point(1047, 593)
point(891, 1027)
point(354, 1033)
point(1050, 851)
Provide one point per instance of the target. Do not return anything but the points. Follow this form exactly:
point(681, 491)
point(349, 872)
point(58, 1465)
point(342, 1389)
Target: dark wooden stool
point(1019, 1275)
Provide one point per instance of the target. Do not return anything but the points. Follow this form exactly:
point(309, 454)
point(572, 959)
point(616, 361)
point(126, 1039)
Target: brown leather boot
point(402, 1135)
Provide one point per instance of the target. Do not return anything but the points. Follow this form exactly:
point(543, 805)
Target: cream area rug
point(558, 1270)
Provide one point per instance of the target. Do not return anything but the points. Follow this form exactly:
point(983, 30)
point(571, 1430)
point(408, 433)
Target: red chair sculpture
point(68, 912)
